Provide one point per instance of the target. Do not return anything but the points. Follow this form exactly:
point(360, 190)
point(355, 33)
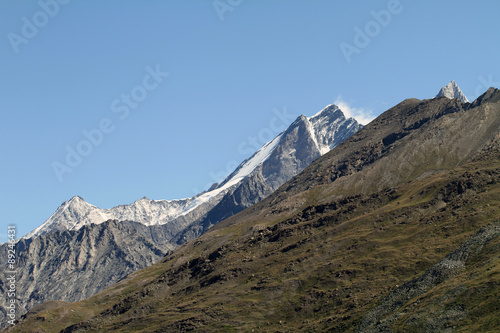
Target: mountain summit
point(451, 91)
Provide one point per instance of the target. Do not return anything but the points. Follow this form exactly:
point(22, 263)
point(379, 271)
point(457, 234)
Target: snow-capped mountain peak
point(330, 109)
point(331, 127)
point(72, 214)
point(451, 91)
point(76, 213)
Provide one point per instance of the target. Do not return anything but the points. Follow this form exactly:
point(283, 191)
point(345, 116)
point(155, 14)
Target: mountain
point(451, 90)
point(304, 141)
point(395, 229)
point(81, 249)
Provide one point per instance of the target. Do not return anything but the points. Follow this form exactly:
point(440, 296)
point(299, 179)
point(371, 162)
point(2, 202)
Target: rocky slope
point(411, 200)
point(76, 253)
point(404, 299)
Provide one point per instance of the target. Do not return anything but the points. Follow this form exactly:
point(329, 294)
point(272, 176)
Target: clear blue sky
point(87, 64)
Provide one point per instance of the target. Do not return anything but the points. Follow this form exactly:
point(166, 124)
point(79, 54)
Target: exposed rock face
point(73, 265)
point(451, 91)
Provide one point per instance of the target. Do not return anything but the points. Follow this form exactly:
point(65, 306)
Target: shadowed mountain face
point(76, 253)
point(395, 229)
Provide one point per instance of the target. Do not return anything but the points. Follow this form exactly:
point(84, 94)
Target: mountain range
point(81, 249)
point(277, 161)
point(395, 229)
